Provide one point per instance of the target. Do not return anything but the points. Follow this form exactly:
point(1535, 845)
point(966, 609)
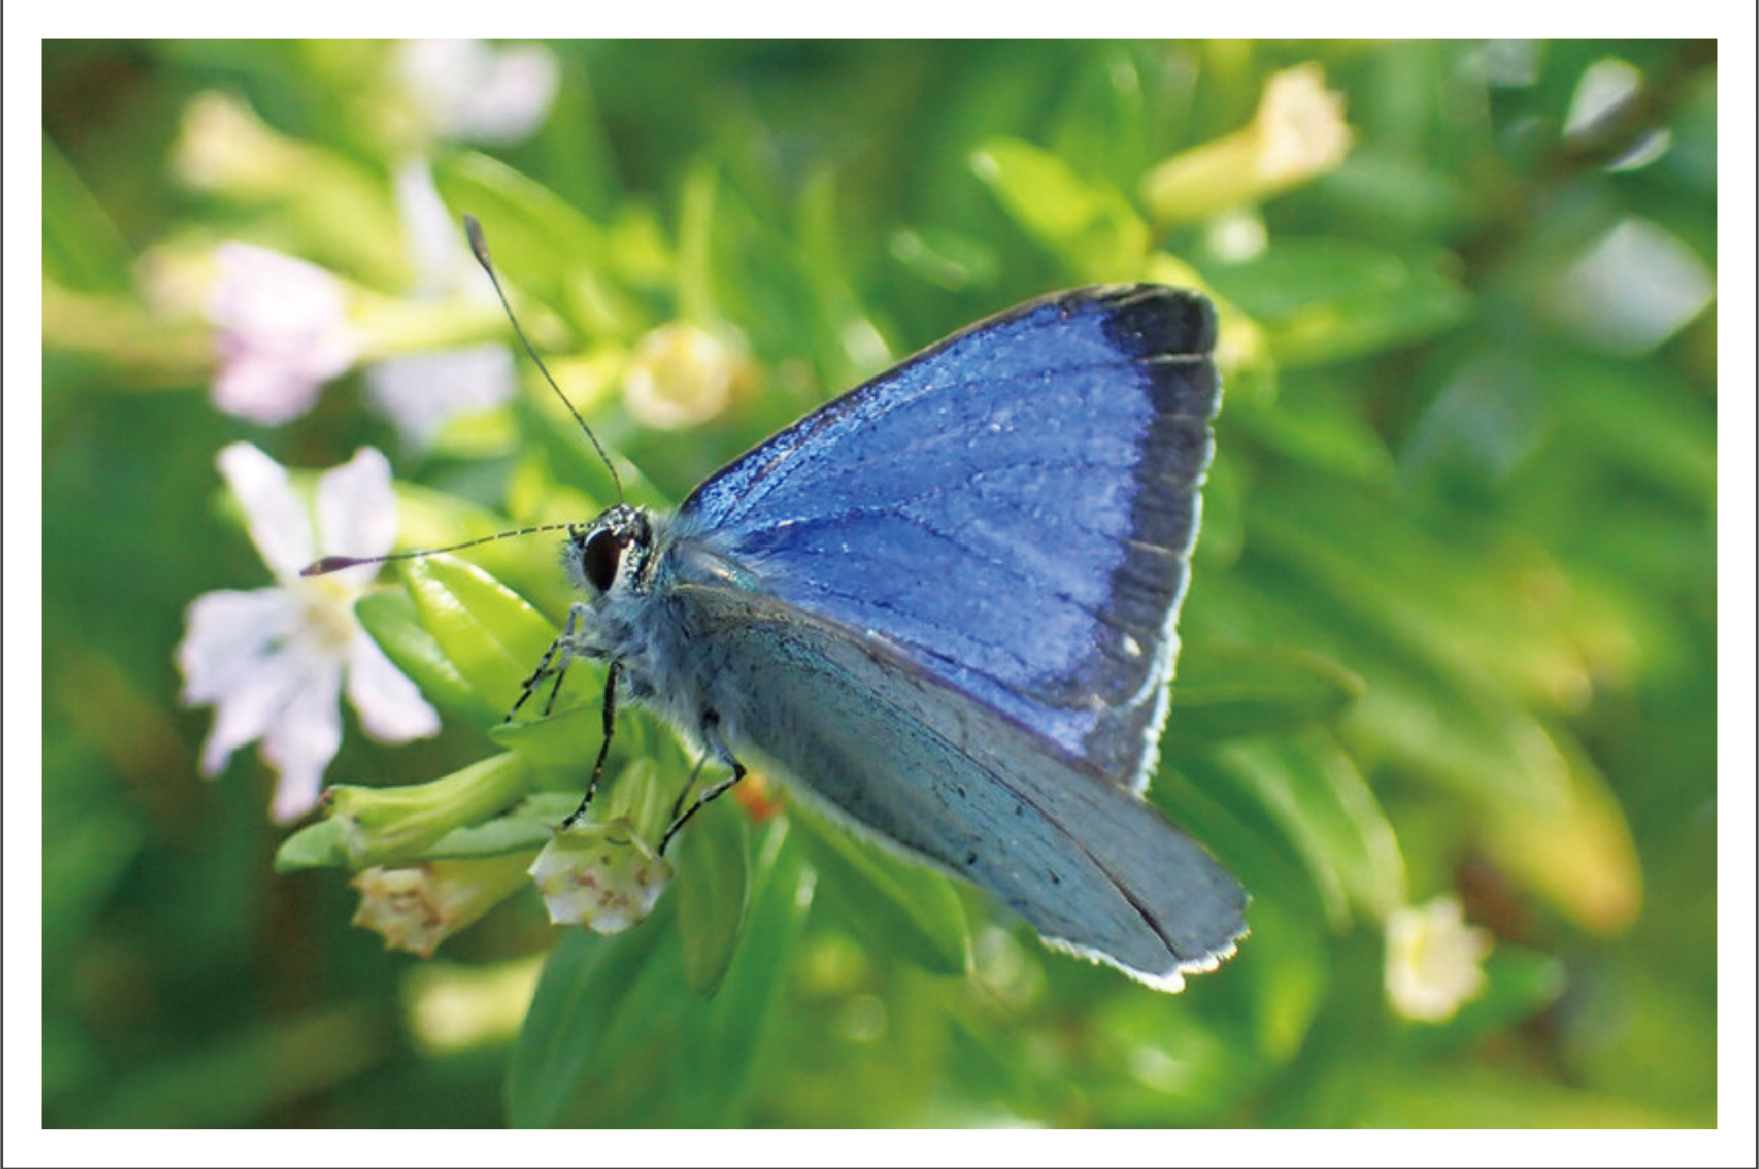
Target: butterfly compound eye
point(600, 558)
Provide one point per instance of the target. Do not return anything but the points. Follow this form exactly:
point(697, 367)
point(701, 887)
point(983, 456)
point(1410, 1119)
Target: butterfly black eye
point(600, 557)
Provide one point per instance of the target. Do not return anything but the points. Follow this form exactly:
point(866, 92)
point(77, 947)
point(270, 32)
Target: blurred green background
point(1451, 639)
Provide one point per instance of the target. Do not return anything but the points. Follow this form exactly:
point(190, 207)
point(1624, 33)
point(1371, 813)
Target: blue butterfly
point(945, 605)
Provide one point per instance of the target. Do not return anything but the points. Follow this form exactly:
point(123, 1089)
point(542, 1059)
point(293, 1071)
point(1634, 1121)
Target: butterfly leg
point(609, 722)
point(678, 804)
point(564, 645)
point(711, 734)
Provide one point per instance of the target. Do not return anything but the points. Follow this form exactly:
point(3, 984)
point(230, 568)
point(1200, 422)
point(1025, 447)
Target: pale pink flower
point(274, 662)
point(282, 333)
point(470, 90)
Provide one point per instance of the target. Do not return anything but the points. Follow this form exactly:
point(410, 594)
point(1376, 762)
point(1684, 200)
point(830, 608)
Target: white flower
point(282, 333)
point(1434, 960)
point(273, 662)
point(470, 90)
point(601, 876)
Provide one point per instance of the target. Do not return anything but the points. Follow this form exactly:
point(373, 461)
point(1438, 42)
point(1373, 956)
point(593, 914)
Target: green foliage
point(1451, 631)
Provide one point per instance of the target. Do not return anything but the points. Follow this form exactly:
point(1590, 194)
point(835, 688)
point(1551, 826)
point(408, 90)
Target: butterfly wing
point(899, 752)
point(1011, 511)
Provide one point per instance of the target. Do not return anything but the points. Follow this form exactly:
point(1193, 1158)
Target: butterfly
point(945, 605)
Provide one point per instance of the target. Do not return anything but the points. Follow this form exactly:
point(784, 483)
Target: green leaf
point(945, 258)
point(585, 984)
point(898, 904)
point(1518, 984)
point(528, 826)
point(1224, 692)
point(81, 247)
point(1326, 300)
point(1314, 793)
point(721, 1049)
point(567, 740)
point(389, 617)
point(540, 242)
point(714, 883)
point(314, 846)
point(485, 629)
point(1090, 225)
point(611, 1040)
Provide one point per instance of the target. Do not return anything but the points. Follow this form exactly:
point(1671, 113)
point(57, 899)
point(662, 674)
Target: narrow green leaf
point(528, 826)
point(1518, 983)
point(389, 617)
point(1314, 793)
point(900, 905)
point(1223, 692)
point(567, 740)
point(485, 629)
point(312, 847)
point(1090, 225)
point(714, 884)
point(81, 247)
point(585, 985)
point(540, 242)
point(391, 825)
point(721, 1050)
point(1328, 300)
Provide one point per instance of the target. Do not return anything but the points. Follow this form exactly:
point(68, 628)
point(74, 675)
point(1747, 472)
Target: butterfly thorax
point(639, 570)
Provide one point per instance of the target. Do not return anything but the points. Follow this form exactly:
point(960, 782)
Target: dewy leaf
point(714, 883)
point(1222, 692)
point(900, 905)
point(487, 631)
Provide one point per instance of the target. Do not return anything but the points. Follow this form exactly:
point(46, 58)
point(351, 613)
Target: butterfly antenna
point(480, 248)
point(337, 563)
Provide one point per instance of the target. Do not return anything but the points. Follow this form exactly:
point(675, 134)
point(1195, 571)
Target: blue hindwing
point(892, 749)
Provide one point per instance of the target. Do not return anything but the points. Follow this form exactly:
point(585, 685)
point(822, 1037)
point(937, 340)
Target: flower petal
point(263, 390)
point(421, 391)
point(357, 510)
point(303, 740)
point(281, 332)
point(278, 522)
point(389, 704)
point(469, 89)
point(252, 704)
point(229, 634)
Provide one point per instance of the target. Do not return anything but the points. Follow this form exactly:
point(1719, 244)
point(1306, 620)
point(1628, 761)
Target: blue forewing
point(945, 604)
